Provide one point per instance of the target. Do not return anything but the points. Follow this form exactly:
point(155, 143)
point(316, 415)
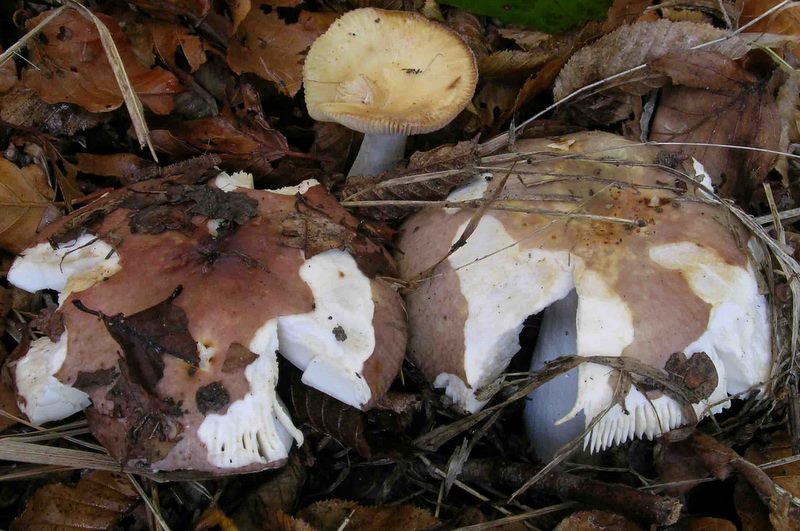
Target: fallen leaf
point(280, 492)
point(171, 9)
point(146, 336)
point(72, 66)
point(511, 63)
point(455, 161)
point(23, 107)
point(626, 48)
point(331, 515)
point(471, 29)
point(169, 37)
point(718, 102)
point(98, 501)
point(596, 521)
point(326, 415)
point(703, 524)
point(213, 518)
point(274, 49)
point(784, 22)
point(120, 165)
point(8, 74)
point(494, 99)
point(24, 197)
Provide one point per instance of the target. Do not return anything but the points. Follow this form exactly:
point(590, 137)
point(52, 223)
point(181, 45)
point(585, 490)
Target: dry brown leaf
point(629, 47)
point(98, 501)
point(330, 515)
point(326, 414)
point(171, 9)
point(703, 524)
point(8, 74)
point(23, 107)
point(528, 40)
point(494, 99)
point(273, 49)
point(333, 145)
point(24, 197)
point(718, 103)
point(123, 166)
point(784, 22)
point(511, 63)
point(72, 66)
point(596, 521)
point(168, 37)
point(261, 507)
point(239, 10)
point(471, 30)
point(410, 183)
point(213, 518)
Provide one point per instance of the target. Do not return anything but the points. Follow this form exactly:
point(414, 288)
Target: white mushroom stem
point(378, 153)
point(553, 400)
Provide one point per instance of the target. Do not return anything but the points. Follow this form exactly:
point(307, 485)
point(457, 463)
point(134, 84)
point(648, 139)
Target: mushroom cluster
point(175, 299)
point(388, 74)
point(628, 261)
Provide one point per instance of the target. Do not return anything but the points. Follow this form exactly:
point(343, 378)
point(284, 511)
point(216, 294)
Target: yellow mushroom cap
point(388, 72)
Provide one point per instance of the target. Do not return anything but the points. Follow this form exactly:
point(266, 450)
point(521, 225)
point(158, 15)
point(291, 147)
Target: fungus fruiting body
point(387, 74)
point(176, 300)
point(630, 261)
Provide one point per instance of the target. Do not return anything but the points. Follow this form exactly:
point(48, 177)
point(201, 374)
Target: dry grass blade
point(132, 101)
point(25, 452)
point(149, 503)
point(519, 517)
point(20, 44)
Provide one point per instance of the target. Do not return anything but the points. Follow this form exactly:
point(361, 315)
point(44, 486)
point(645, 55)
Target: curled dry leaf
point(511, 63)
point(120, 165)
point(331, 515)
point(596, 521)
point(629, 47)
point(784, 22)
point(279, 492)
point(72, 66)
point(428, 177)
point(273, 48)
point(24, 197)
point(8, 74)
point(718, 102)
point(98, 501)
point(327, 415)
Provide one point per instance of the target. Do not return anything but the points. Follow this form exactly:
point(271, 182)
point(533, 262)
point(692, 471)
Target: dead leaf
point(8, 74)
point(703, 524)
point(471, 30)
point(626, 48)
point(280, 492)
point(169, 37)
point(146, 336)
point(72, 66)
point(213, 518)
point(120, 165)
point(239, 145)
point(528, 40)
point(784, 22)
point(98, 501)
point(331, 515)
point(327, 415)
point(596, 521)
point(447, 167)
point(494, 99)
point(718, 103)
point(511, 63)
point(23, 107)
point(698, 373)
point(171, 9)
point(24, 197)
point(274, 49)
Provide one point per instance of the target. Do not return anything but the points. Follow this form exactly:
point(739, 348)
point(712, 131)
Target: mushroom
point(388, 74)
point(635, 265)
point(175, 305)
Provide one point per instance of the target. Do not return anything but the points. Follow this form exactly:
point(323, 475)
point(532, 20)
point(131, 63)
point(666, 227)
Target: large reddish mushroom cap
point(172, 309)
point(657, 270)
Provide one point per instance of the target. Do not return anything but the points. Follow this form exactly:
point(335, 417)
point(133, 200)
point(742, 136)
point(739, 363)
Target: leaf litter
point(60, 93)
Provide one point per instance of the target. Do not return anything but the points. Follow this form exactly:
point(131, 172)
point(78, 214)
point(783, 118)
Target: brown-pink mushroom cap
point(657, 271)
point(174, 304)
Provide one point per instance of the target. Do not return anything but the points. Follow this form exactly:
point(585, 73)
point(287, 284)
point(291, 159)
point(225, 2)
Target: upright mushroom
point(388, 74)
point(175, 304)
point(635, 264)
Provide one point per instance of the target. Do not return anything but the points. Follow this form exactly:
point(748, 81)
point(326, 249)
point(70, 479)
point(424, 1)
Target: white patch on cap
point(256, 428)
point(301, 188)
point(44, 397)
point(457, 391)
point(230, 182)
point(504, 287)
point(76, 266)
point(332, 342)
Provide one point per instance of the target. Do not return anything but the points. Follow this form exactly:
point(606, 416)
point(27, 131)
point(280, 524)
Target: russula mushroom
point(387, 74)
point(176, 299)
point(636, 266)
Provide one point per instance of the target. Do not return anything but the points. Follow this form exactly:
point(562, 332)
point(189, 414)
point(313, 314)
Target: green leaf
point(552, 16)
